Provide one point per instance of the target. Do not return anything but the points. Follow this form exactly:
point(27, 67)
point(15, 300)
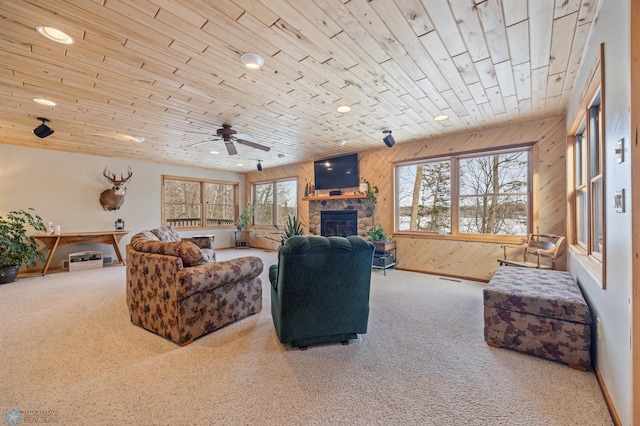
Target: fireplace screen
point(338, 223)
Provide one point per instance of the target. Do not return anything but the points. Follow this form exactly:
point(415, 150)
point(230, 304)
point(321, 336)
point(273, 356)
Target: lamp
point(259, 166)
point(388, 140)
point(42, 131)
point(252, 60)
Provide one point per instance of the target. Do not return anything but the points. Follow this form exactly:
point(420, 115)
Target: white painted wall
point(64, 188)
point(612, 345)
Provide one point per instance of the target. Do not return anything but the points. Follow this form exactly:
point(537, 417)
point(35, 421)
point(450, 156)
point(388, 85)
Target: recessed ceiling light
point(43, 101)
point(341, 141)
point(344, 108)
point(138, 138)
point(214, 152)
point(441, 117)
point(239, 164)
point(252, 60)
point(55, 35)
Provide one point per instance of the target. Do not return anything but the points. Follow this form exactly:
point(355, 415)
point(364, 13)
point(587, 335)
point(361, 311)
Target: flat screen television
point(336, 172)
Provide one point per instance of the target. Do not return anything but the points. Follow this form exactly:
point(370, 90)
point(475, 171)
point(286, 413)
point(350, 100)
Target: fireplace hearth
point(338, 223)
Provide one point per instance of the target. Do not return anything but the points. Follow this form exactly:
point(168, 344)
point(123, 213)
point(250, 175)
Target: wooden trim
point(607, 397)
point(440, 274)
point(192, 179)
point(603, 163)
point(533, 206)
point(634, 150)
point(334, 197)
point(595, 83)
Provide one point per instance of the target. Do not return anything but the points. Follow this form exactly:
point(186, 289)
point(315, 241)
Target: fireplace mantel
point(334, 197)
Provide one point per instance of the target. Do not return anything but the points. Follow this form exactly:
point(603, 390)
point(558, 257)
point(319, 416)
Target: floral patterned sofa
point(176, 289)
point(541, 312)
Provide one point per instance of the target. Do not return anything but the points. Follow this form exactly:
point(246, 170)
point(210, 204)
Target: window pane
point(579, 161)
point(182, 203)
point(581, 216)
point(220, 203)
point(594, 140)
point(264, 204)
point(424, 197)
point(596, 212)
point(494, 194)
point(494, 174)
point(287, 200)
point(494, 214)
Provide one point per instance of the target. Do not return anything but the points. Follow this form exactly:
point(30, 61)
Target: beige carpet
point(69, 354)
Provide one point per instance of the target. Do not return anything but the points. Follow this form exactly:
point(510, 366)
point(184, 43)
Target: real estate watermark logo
point(15, 417)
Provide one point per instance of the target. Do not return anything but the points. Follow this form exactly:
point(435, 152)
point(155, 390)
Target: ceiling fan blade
point(252, 144)
point(231, 148)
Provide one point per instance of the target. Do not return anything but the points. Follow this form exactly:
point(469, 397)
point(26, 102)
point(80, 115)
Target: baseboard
point(440, 274)
point(607, 398)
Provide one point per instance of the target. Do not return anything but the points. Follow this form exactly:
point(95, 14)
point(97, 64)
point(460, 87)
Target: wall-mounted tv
point(336, 172)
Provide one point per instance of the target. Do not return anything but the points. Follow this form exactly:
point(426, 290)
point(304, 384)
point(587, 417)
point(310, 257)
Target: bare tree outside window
point(287, 200)
point(182, 203)
point(275, 201)
point(187, 201)
point(492, 194)
point(425, 197)
point(220, 203)
point(264, 204)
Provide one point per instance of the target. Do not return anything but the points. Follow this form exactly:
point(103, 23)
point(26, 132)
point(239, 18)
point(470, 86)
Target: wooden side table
point(241, 239)
point(55, 241)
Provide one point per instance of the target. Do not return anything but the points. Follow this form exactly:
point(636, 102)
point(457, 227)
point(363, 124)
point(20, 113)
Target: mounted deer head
point(112, 199)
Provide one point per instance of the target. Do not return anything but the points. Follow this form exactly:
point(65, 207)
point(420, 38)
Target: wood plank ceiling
point(169, 71)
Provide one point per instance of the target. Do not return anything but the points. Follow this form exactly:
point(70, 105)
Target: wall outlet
point(598, 328)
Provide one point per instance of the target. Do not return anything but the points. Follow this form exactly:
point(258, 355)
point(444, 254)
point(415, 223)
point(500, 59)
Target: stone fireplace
point(353, 206)
point(338, 223)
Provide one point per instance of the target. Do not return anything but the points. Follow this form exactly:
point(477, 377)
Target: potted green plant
point(245, 217)
point(376, 233)
point(292, 227)
point(379, 238)
point(371, 200)
point(16, 247)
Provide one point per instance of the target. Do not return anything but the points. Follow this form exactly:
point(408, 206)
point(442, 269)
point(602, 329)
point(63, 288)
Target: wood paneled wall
point(468, 259)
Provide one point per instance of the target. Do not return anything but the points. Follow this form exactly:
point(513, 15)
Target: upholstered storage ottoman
point(541, 312)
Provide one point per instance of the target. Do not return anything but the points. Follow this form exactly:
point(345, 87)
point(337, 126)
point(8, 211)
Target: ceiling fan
point(228, 135)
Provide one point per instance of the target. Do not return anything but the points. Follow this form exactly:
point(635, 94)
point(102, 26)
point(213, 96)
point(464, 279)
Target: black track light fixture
point(388, 140)
point(259, 165)
point(42, 131)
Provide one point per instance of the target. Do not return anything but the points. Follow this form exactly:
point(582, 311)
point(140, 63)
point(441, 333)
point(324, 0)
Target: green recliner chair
point(320, 289)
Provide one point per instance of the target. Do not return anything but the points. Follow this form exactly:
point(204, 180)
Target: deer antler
point(112, 176)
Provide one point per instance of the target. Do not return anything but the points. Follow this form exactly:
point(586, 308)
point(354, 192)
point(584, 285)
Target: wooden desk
point(54, 241)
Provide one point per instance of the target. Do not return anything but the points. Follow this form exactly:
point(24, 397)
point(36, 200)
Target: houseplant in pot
point(379, 238)
point(245, 217)
point(292, 227)
point(16, 247)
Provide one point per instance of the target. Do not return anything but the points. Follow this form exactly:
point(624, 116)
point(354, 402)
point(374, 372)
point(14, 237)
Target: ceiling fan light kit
point(42, 131)
point(252, 60)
